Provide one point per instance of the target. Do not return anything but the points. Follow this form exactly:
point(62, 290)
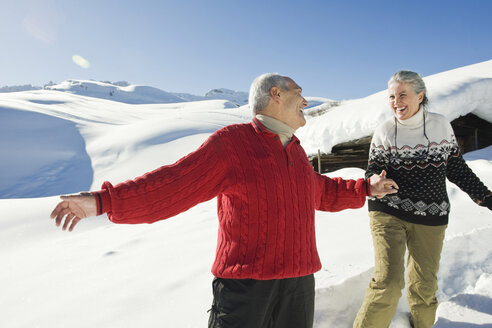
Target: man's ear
point(275, 94)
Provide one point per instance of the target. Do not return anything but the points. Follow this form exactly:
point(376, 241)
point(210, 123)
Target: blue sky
point(334, 49)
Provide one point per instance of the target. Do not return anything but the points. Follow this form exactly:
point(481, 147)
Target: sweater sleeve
point(378, 155)
point(168, 190)
point(336, 194)
point(459, 173)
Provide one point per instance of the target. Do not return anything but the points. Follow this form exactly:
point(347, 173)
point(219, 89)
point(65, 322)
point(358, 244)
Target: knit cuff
point(486, 201)
point(103, 201)
point(368, 186)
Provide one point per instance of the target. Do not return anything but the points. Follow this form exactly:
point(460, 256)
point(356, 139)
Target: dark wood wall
point(471, 133)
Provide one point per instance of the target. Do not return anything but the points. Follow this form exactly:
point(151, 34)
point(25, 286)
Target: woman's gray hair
point(414, 79)
point(259, 93)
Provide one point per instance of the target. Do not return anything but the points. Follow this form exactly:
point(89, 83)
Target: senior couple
point(267, 193)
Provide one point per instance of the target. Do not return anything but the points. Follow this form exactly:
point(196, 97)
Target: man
point(267, 193)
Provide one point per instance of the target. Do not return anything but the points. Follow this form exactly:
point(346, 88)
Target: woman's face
point(403, 100)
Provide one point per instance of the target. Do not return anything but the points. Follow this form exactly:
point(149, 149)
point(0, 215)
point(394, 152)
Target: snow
point(142, 94)
point(107, 275)
point(18, 88)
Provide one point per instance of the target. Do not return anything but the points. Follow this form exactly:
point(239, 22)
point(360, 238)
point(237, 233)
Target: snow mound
point(141, 94)
point(130, 94)
point(238, 97)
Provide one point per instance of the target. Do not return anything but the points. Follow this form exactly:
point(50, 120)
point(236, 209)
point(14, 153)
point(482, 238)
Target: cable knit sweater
point(266, 199)
point(419, 155)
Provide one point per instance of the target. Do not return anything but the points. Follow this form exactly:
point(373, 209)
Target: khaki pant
point(391, 236)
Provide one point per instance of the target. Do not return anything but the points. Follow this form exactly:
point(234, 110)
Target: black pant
point(248, 303)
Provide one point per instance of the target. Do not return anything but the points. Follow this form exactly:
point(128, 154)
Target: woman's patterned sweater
point(419, 155)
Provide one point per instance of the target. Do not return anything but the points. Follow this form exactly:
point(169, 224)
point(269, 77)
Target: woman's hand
point(486, 202)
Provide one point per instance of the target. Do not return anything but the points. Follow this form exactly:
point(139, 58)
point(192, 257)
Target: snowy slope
point(107, 275)
point(17, 88)
point(238, 97)
point(49, 135)
point(141, 94)
point(130, 94)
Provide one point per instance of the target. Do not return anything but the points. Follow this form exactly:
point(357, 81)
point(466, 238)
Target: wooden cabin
point(471, 133)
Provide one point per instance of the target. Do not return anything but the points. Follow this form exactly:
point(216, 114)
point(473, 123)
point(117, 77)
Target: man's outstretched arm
point(156, 195)
point(336, 194)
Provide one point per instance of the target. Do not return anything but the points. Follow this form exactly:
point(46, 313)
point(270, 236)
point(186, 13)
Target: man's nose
point(305, 102)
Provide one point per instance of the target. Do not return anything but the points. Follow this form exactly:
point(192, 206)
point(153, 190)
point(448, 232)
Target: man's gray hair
point(414, 79)
point(259, 93)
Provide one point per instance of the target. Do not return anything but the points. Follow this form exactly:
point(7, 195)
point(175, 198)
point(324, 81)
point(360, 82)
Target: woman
point(418, 150)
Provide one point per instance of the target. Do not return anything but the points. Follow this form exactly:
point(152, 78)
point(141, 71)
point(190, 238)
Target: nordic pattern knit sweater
point(266, 200)
point(419, 163)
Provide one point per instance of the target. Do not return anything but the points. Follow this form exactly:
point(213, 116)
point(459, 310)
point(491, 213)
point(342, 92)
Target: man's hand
point(74, 208)
point(381, 186)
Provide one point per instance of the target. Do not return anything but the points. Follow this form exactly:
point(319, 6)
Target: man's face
point(293, 104)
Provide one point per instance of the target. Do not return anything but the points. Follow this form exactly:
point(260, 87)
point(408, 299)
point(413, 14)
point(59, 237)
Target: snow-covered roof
point(452, 93)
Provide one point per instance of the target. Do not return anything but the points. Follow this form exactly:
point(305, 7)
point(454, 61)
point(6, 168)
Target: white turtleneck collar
point(284, 131)
point(414, 121)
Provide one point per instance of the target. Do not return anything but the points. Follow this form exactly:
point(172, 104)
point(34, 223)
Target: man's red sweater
point(266, 198)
